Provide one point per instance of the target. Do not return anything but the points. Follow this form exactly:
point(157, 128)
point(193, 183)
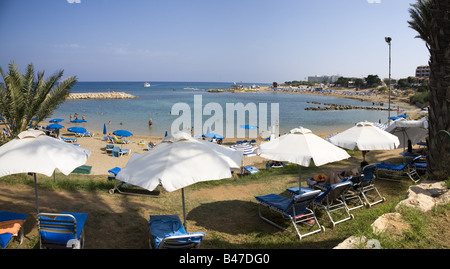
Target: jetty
point(343, 107)
point(101, 95)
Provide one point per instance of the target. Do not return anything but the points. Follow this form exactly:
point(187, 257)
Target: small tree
point(25, 101)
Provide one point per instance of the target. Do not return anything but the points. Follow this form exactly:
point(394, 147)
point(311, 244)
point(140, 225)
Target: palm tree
point(431, 19)
point(25, 101)
point(421, 20)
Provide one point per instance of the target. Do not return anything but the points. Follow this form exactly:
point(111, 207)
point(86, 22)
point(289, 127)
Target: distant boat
point(146, 84)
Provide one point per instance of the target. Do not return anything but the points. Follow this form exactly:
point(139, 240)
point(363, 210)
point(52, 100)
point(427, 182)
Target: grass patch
point(231, 221)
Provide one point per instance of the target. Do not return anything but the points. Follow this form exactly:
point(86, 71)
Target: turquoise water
point(156, 102)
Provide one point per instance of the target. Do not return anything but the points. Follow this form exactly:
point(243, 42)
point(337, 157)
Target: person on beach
point(70, 116)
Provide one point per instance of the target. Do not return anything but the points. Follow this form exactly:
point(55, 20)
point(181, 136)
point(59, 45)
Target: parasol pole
point(299, 179)
point(184, 209)
point(36, 192)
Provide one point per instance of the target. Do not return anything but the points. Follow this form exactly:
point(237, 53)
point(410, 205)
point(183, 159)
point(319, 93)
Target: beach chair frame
point(52, 223)
point(303, 214)
point(353, 195)
point(122, 187)
point(395, 172)
point(332, 201)
point(364, 189)
point(367, 186)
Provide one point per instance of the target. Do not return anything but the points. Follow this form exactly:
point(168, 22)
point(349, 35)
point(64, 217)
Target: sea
point(155, 103)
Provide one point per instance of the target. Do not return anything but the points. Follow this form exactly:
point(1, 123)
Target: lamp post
point(388, 40)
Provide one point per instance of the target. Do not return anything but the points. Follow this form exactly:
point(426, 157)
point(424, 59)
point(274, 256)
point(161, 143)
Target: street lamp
point(388, 40)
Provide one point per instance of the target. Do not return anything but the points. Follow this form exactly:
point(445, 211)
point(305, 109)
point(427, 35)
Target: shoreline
point(101, 161)
point(344, 93)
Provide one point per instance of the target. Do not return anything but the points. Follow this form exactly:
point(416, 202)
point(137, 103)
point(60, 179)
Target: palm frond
point(24, 97)
point(420, 14)
point(54, 98)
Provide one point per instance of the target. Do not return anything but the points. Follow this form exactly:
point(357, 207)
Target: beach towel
point(10, 226)
point(320, 178)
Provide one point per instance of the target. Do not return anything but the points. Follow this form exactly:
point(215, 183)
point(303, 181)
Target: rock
point(425, 196)
point(100, 95)
point(391, 223)
point(353, 242)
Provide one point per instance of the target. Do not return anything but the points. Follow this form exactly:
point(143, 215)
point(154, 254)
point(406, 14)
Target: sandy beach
point(101, 161)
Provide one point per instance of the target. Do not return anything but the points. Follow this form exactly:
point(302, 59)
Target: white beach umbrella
point(299, 146)
point(365, 136)
point(247, 149)
point(34, 152)
point(414, 130)
point(179, 161)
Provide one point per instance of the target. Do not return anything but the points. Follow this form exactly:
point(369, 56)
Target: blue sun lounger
point(395, 171)
point(332, 201)
point(8, 218)
point(68, 140)
point(251, 170)
point(62, 230)
point(363, 187)
point(117, 151)
point(167, 232)
point(296, 209)
point(125, 188)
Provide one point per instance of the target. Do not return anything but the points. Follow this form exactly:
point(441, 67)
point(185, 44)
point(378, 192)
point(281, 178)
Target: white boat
point(146, 84)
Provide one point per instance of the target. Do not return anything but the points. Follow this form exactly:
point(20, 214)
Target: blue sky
point(210, 40)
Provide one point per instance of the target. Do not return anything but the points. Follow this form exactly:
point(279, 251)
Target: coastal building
point(423, 71)
point(323, 79)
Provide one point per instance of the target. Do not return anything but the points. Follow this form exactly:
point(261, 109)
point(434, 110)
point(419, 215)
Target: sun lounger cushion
point(284, 204)
point(10, 223)
point(421, 165)
point(109, 147)
point(162, 226)
point(390, 166)
point(115, 152)
point(251, 169)
point(71, 140)
point(294, 190)
point(63, 238)
point(114, 170)
point(277, 201)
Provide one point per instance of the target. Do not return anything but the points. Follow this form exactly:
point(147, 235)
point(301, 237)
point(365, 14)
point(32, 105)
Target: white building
point(423, 71)
point(323, 79)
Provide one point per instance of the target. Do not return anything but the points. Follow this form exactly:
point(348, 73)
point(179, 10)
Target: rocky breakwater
point(343, 107)
point(100, 95)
